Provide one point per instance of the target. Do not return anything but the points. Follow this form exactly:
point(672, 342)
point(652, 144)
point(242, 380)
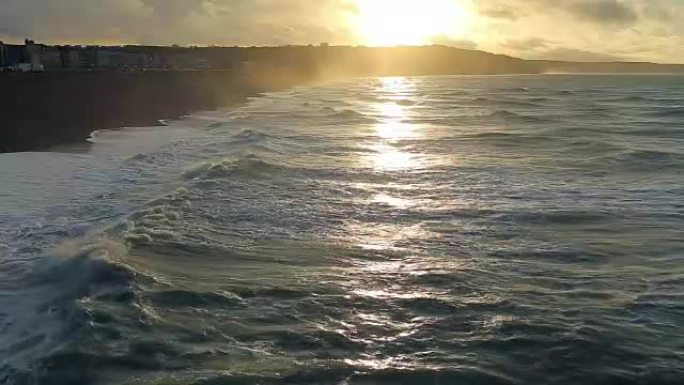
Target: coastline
point(65, 104)
point(40, 111)
point(46, 110)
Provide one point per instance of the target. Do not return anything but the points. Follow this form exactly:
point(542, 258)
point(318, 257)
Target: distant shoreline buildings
point(35, 57)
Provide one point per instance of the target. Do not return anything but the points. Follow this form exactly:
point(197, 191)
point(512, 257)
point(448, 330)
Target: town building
point(73, 57)
point(10, 55)
point(50, 58)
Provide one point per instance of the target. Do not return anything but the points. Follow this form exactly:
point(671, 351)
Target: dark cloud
point(662, 11)
point(604, 11)
point(526, 44)
point(243, 22)
point(499, 12)
point(600, 11)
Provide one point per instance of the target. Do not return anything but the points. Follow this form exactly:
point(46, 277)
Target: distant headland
point(52, 95)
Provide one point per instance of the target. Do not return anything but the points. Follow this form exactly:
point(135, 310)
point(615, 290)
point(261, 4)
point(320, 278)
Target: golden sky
point(650, 30)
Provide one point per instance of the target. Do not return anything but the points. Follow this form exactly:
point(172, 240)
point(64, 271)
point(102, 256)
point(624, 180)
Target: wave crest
point(249, 166)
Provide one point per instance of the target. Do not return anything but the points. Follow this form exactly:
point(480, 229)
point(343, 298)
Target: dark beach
point(40, 110)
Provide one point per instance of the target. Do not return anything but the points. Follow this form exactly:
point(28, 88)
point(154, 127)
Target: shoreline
point(50, 110)
point(41, 111)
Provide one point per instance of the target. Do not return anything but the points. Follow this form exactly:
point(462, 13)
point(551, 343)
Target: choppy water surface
point(439, 230)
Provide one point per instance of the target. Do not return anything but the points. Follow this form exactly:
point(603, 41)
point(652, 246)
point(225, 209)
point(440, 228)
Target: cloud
point(604, 11)
point(499, 12)
point(639, 30)
point(582, 29)
point(599, 11)
point(202, 22)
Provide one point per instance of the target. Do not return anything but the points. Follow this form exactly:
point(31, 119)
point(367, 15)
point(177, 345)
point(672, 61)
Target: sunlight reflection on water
point(390, 158)
point(393, 126)
point(385, 236)
point(392, 201)
point(395, 131)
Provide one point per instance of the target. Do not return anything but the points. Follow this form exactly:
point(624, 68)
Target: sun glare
point(411, 22)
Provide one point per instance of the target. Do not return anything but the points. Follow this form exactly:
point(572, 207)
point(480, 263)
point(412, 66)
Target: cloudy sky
point(643, 30)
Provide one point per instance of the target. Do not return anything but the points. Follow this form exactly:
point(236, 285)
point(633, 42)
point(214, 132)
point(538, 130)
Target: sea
point(410, 230)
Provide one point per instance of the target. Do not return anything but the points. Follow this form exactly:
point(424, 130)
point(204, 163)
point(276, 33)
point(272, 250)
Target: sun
point(411, 22)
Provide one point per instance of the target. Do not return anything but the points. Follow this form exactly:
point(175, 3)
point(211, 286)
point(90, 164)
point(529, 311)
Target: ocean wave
point(249, 166)
point(516, 89)
point(506, 102)
point(632, 98)
point(645, 99)
point(406, 102)
point(193, 299)
point(664, 132)
point(647, 160)
point(669, 112)
point(516, 116)
point(351, 116)
point(51, 311)
point(540, 99)
point(588, 146)
point(327, 114)
point(494, 135)
point(506, 138)
point(456, 93)
point(216, 125)
point(466, 375)
point(251, 135)
point(563, 217)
